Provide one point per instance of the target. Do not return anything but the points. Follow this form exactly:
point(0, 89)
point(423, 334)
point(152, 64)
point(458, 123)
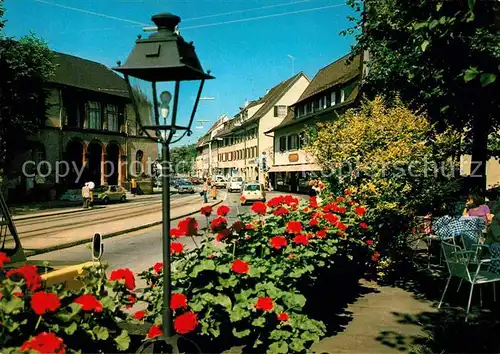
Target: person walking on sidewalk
point(86, 195)
point(133, 185)
point(214, 190)
point(205, 190)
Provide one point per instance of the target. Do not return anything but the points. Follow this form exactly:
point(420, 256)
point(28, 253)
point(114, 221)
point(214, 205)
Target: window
point(282, 146)
point(325, 104)
point(328, 101)
point(138, 164)
point(304, 109)
point(112, 117)
point(94, 115)
point(293, 142)
point(333, 100)
point(280, 111)
point(320, 103)
point(342, 95)
point(296, 112)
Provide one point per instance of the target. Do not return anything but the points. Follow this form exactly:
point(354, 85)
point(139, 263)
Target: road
point(49, 231)
point(142, 249)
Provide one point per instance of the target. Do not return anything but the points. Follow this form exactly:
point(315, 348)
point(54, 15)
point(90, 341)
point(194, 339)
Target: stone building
point(90, 134)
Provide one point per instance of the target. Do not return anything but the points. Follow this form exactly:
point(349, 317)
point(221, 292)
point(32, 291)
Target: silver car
point(184, 187)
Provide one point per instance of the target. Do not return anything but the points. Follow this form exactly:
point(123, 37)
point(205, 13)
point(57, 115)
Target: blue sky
point(246, 50)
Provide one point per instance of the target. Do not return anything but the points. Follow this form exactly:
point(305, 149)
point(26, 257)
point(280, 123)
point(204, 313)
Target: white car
point(219, 181)
point(252, 192)
point(234, 184)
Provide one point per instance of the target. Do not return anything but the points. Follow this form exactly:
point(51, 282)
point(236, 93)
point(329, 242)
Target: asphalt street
point(142, 249)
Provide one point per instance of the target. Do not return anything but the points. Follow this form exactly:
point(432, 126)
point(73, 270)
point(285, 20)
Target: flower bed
point(248, 287)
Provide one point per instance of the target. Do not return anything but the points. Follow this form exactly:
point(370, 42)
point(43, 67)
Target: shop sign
point(293, 157)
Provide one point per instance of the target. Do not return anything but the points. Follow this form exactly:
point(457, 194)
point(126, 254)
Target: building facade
point(90, 134)
point(333, 90)
point(243, 148)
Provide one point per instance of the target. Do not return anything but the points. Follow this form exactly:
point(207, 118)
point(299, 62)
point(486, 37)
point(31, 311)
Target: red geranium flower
point(375, 257)
point(178, 301)
point(259, 208)
point(44, 343)
point(363, 225)
point(264, 304)
point(294, 227)
point(249, 227)
point(281, 211)
point(276, 201)
point(16, 294)
point(30, 275)
point(248, 237)
point(238, 226)
point(321, 234)
point(291, 200)
point(218, 224)
point(301, 240)
point(223, 210)
point(43, 302)
point(347, 192)
point(341, 225)
point(206, 210)
point(158, 267)
point(313, 222)
point(278, 242)
point(186, 322)
point(369, 242)
point(352, 202)
point(223, 234)
point(360, 211)
point(331, 218)
point(88, 302)
point(139, 315)
point(313, 202)
point(3, 259)
point(340, 199)
point(176, 233)
point(240, 267)
point(188, 226)
point(154, 331)
point(132, 300)
point(283, 317)
point(124, 274)
point(176, 248)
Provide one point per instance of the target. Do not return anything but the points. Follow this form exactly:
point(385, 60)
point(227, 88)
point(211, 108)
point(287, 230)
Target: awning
point(296, 168)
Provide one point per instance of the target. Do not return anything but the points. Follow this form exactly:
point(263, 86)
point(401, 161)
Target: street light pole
point(167, 291)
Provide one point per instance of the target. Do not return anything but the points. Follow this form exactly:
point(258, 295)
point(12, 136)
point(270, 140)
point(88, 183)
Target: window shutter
point(275, 111)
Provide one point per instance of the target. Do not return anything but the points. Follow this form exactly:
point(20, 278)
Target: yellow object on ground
point(214, 192)
point(67, 275)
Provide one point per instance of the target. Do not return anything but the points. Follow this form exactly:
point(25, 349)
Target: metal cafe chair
point(457, 261)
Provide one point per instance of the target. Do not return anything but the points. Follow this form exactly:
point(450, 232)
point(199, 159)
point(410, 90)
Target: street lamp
point(164, 57)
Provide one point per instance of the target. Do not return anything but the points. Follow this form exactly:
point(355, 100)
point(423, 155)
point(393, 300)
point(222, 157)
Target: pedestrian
point(86, 195)
point(214, 191)
point(205, 190)
point(133, 185)
point(91, 186)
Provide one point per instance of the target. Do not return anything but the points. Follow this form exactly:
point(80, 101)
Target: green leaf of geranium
point(295, 300)
point(206, 264)
point(123, 341)
point(11, 306)
point(224, 301)
point(241, 334)
point(238, 313)
point(259, 322)
point(278, 347)
point(108, 303)
point(470, 74)
point(101, 332)
point(487, 79)
point(71, 328)
point(297, 345)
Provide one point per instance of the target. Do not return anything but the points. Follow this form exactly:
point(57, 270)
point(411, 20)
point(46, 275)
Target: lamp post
point(164, 57)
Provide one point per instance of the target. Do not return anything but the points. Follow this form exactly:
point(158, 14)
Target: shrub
point(393, 160)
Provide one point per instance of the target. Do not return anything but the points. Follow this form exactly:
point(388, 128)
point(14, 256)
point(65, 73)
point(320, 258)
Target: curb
point(72, 211)
point(106, 236)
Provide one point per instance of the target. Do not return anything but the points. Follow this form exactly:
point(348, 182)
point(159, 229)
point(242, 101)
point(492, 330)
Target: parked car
point(184, 186)
point(196, 180)
point(111, 193)
point(220, 181)
point(235, 184)
point(252, 192)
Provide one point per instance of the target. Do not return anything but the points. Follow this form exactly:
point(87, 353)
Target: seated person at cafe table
point(476, 206)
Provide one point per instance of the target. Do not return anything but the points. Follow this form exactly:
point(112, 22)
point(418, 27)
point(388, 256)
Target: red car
point(196, 180)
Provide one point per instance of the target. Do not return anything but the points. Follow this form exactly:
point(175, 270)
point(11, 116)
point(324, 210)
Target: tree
point(442, 56)
point(183, 158)
point(25, 68)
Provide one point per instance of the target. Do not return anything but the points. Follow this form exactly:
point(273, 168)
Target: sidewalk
point(376, 325)
point(70, 238)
